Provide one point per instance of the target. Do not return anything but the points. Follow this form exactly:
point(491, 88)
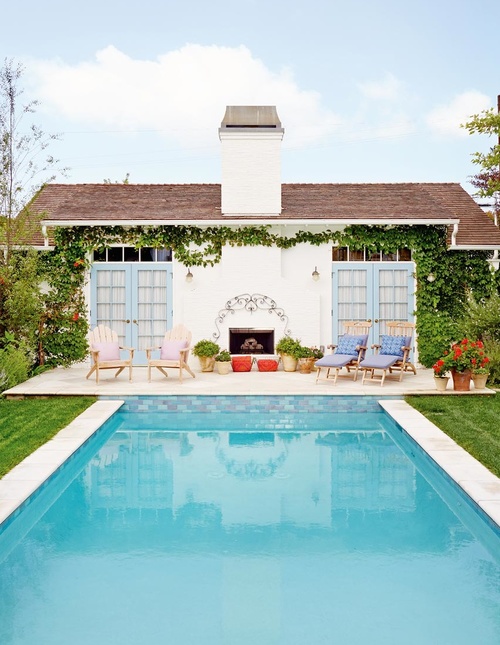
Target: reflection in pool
point(308, 534)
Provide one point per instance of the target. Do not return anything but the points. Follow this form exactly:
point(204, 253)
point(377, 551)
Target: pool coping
point(25, 478)
point(481, 485)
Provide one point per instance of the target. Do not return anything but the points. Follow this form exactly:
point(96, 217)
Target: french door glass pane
point(152, 307)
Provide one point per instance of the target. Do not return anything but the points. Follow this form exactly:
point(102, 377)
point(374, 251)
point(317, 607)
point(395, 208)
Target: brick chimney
point(251, 138)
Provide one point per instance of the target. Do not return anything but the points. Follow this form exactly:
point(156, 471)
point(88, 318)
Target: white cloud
point(382, 112)
point(446, 119)
point(182, 94)
point(388, 89)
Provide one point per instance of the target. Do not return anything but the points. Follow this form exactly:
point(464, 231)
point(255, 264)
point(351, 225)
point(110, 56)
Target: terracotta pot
point(480, 381)
point(289, 363)
point(441, 382)
point(207, 363)
point(461, 380)
point(306, 365)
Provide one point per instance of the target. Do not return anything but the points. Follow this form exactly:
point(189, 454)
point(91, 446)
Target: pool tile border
point(33, 472)
point(480, 484)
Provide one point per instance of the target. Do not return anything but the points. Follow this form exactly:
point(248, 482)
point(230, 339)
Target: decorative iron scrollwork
point(250, 302)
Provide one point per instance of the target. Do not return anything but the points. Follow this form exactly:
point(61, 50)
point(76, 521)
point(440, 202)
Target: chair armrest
point(131, 350)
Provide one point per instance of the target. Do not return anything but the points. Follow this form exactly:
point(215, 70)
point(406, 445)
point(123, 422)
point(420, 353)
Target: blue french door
point(375, 291)
point(135, 300)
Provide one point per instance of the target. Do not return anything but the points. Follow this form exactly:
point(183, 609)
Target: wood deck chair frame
point(391, 354)
point(174, 352)
point(348, 352)
point(105, 353)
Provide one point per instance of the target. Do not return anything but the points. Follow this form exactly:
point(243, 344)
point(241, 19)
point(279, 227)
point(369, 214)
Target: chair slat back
point(102, 334)
point(357, 327)
point(400, 328)
point(179, 332)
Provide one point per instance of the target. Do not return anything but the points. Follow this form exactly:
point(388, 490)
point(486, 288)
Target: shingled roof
point(408, 203)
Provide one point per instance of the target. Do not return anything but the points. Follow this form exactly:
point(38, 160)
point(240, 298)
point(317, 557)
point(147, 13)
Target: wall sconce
point(189, 276)
point(315, 274)
point(431, 277)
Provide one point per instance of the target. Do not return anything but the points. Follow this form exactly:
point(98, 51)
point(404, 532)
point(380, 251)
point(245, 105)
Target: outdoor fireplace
point(250, 340)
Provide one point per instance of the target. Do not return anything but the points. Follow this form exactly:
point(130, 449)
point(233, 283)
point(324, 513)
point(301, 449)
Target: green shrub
point(14, 366)
point(288, 345)
point(492, 349)
point(482, 319)
point(206, 348)
point(223, 357)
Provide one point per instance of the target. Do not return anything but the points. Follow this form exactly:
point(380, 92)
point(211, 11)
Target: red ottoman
point(241, 363)
point(267, 365)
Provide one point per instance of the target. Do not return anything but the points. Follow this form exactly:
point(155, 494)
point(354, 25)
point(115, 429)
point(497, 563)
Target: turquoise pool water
point(238, 520)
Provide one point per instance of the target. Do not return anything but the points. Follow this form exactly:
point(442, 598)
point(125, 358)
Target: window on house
point(131, 254)
point(345, 254)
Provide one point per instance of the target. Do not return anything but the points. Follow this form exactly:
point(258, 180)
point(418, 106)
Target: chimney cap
point(251, 116)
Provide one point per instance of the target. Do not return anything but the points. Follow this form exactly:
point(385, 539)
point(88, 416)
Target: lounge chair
point(349, 351)
point(105, 352)
point(174, 352)
point(392, 354)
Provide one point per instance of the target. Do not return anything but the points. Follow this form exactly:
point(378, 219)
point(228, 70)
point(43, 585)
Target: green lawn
point(27, 424)
point(472, 421)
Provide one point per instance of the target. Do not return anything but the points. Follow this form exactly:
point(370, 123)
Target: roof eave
point(253, 220)
point(474, 247)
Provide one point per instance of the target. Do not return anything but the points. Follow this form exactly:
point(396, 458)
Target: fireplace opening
point(249, 340)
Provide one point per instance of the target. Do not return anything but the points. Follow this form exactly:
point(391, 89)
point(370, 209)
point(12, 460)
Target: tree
point(25, 165)
point(487, 181)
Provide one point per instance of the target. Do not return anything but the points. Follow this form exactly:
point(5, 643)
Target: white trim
point(474, 247)
point(253, 220)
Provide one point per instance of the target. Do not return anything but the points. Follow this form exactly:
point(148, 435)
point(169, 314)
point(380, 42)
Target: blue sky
point(367, 90)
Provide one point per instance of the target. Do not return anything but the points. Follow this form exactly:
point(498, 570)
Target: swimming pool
point(249, 520)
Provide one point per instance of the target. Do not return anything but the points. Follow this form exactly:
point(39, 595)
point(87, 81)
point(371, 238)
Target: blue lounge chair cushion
point(334, 360)
point(392, 345)
point(379, 361)
point(349, 344)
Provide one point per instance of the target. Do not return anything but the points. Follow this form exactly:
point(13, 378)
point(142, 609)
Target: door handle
point(135, 322)
point(376, 320)
point(125, 321)
point(369, 320)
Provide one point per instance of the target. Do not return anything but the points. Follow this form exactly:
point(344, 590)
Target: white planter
point(223, 367)
point(289, 363)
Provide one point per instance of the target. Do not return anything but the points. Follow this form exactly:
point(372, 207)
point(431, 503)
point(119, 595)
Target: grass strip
point(472, 421)
point(26, 424)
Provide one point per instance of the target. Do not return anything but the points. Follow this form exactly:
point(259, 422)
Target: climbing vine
point(439, 303)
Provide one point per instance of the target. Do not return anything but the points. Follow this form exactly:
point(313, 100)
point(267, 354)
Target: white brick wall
point(284, 276)
point(251, 173)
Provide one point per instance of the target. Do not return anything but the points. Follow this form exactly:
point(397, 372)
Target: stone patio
point(72, 381)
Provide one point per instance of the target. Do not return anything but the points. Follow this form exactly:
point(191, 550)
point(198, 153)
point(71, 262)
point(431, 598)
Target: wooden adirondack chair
point(174, 352)
point(105, 352)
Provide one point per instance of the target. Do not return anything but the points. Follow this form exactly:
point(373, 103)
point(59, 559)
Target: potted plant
point(306, 357)
point(462, 359)
point(480, 374)
point(206, 351)
point(223, 362)
point(440, 377)
point(287, 348)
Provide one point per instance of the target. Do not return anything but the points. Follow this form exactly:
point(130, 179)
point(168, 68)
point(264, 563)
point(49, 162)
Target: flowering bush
point(439, 368)
point(465, 355)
